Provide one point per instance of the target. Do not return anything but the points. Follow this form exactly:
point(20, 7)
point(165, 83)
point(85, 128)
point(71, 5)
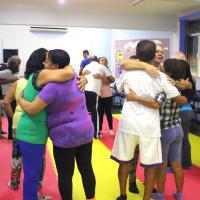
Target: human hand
point(131, 96)
point(82, 82)
point(184, 84)
point(97, 76)
point(86, 72)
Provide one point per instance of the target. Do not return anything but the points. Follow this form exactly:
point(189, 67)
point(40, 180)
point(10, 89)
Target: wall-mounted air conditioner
point(48, 29)
point(135, 2)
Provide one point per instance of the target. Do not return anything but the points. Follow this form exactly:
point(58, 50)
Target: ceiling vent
point(48, 29)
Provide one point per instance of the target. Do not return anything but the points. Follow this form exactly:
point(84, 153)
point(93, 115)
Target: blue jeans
point(32, 155)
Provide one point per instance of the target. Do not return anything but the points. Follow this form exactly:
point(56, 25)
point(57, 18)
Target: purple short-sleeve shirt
point(69, 123)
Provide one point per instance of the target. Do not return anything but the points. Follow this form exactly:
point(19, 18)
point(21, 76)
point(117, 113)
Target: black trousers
point(105, 107)
point(92, 105)
point(186, 117)
point(65, 159)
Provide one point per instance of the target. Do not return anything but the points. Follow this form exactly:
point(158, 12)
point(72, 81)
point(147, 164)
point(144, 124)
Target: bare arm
point(108, 80)
point(60, 75)
point(80, 71)
point(32, 108)
point(151, 103)
point(132, 64)
point(183, 84)
point(9, 98)
point(6, 81)
point(180, 84)
point(105, 80)
point(180, 100)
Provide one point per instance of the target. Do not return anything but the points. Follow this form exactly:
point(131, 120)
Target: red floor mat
point(50, 180)
point(191, 189)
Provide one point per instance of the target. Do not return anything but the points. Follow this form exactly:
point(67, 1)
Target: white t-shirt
point(136, 118)
point(93, 84)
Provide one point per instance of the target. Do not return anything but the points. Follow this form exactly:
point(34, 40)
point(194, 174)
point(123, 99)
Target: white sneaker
point(111, 132)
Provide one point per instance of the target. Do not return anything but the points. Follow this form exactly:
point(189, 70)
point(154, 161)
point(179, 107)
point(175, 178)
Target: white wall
point(25, 15)
point(15, 22)
point(98, 41)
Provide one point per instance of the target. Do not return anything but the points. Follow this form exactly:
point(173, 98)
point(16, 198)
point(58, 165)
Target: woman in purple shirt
point(70, 127)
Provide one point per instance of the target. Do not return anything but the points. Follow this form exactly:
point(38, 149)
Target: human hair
point(35, 62)
point(145, 50)
point(106, 61)
point(17, 58)
point(189, 93)
point(94, 58)
point(158, 43)
point(59, 57)
point(174, 68)
point(13, 65)
point(133, 57)
point(86, 52)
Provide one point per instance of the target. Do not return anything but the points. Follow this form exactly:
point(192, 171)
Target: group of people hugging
point(51, 103)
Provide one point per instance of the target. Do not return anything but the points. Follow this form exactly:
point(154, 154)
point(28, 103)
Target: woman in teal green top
point(32, 129)
point(31, 132)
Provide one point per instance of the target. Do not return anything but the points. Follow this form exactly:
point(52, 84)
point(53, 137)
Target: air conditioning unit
point(135, 2)
point(48, 29)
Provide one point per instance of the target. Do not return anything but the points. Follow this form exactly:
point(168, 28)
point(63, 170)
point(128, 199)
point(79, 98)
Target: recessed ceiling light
point(61, 1)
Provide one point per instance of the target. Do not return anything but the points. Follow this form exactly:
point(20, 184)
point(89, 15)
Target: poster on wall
point(124, 49)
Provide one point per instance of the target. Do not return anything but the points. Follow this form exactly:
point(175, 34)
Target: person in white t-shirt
point(95, 73)
point(140, 124)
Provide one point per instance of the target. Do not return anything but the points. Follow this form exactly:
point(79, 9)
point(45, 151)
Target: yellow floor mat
point(195, 145)
point(105, 171)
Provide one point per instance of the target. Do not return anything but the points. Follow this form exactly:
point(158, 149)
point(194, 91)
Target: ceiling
point(174, 7)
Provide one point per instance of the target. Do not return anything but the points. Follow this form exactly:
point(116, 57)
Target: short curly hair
point(13, 65)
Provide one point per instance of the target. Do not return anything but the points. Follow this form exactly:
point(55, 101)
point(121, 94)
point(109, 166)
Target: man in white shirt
point(140, 124)
point(94, 72)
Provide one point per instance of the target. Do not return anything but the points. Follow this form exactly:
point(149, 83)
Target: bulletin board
point(126, 48)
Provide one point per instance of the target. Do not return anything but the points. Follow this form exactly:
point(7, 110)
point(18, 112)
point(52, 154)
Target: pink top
point(106, 91)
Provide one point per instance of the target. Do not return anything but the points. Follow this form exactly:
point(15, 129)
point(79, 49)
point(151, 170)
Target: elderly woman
point(70, 131)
